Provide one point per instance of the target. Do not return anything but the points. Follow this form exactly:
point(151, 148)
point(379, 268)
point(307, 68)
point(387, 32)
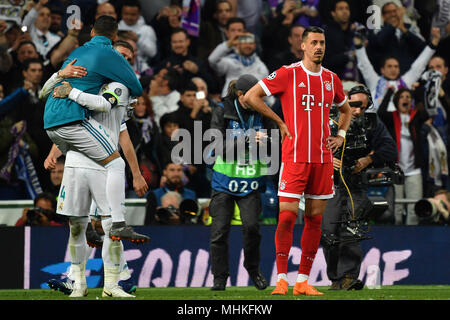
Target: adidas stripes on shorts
point(88, 137)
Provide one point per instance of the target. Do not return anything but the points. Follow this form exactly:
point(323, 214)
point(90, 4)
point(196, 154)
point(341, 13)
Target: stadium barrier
point(11, 210)
point(178, 256)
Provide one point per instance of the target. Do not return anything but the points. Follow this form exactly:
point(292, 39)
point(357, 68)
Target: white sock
point(115, 188)
point(302, 277)
point(125, 273)
point(282, 276)
point(112, 252)
point(77, 250)
point(88, 252)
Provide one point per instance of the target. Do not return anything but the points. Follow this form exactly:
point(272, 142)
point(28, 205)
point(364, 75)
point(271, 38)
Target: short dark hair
point(440, 57)
point(24, 43)
point(45, 196)
point(188, 86)
point(122, 43)
point(235, 20)
point(26, 64)
point(295, 25)
point(398, 93)
point(386, 58)
point(223, 1)
point(335, 2)
point(131, 3)
point(167, 118)
point(106, 26)
point(178, 30)
point(386, 4)
point(312, 29)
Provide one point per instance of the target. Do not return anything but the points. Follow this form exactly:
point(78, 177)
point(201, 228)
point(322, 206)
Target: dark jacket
point(221, 117)
point(393, 123)
point(178, 60)
point(385, 43)
point(339, 46)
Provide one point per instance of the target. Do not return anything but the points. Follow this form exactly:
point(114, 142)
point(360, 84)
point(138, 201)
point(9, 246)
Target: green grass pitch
point(394, 292)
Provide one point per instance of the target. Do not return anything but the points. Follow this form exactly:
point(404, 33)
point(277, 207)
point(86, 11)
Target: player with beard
point(307, 92)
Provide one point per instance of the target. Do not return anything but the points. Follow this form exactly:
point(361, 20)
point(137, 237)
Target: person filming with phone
point(235, 57)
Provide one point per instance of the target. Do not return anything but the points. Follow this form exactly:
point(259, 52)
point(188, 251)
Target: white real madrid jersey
point(107, 123)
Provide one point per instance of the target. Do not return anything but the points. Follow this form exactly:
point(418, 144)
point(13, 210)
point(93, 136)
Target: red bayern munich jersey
point(306, 98)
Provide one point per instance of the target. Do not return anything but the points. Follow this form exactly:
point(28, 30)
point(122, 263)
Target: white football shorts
point(79, 188)
point(88, 137)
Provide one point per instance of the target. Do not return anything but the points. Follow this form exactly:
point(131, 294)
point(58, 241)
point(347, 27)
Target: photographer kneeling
point(368, 143)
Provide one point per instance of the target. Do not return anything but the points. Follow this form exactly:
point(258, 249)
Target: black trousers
point(344, 258)
point(221, 209)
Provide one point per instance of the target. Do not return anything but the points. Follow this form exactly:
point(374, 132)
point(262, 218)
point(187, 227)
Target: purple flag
point(190, 17)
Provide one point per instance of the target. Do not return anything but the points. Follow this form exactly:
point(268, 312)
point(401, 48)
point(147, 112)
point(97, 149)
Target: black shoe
point(335, 285)
point(120, 231)
point(258, 280)
point(93, 239)
point(219, 284)
point(351, 283)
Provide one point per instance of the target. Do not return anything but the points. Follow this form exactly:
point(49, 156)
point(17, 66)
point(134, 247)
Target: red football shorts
point(315, 180)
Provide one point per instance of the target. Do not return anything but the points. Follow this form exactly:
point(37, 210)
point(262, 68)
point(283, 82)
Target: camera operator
point(434, 211)
point(43, 213)
point(368, 143)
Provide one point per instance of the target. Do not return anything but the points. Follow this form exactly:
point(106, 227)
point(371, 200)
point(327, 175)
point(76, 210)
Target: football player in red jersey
point(307, 91)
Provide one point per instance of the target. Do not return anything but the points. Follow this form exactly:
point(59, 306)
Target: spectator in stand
point(16, 150)
point(233, 65)
point(358, 9)
point(14, 98)
point(186, 64)
point(38, 22)
point(213, 30)
point(275, 35)
point(32, 111)
point(390, 69)
point(144, 135)
point(56, 175)
point(43, 214)
point(139, 64)
point(395, 38)
point(168, 124)
point(6, 60)
point(163, 92)
point(293, 54)
point(435, 169)
point(56, 15)
point(164, 23)
point(340, 54)
point(211, 100)
point(308, 13)
point(171, 181)
point(250, 11)
point(145, 35)
point(404, 125)
point(440, 121)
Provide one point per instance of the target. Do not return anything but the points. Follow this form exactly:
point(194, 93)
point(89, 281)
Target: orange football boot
point(306, 289)
point(281, 287)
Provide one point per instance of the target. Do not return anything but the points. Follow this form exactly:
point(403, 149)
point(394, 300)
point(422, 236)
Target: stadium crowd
point(175, 59)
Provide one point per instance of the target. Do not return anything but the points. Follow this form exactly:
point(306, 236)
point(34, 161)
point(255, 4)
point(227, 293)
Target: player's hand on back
point(72, 71)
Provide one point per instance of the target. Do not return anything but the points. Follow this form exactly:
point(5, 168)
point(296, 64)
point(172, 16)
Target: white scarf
point(437, 158)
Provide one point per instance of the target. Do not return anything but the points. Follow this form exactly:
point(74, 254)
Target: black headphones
point(362, 89)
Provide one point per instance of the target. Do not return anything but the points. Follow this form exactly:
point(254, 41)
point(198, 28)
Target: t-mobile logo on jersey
point(308, 101)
